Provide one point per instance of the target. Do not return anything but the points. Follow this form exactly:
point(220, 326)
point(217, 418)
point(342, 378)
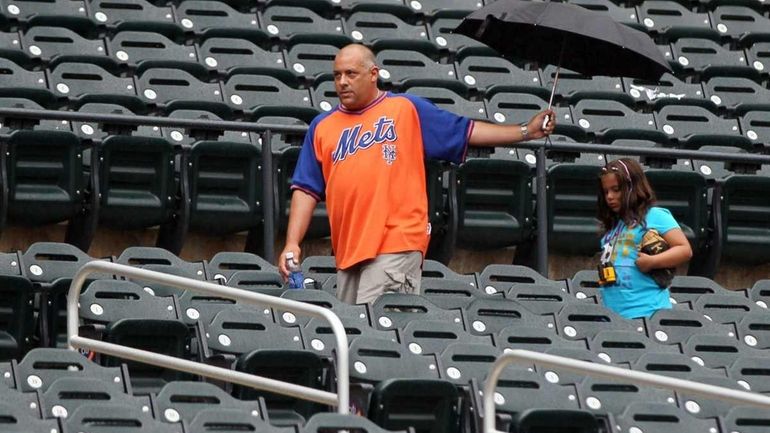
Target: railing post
point(268, 196)
point(542, 212)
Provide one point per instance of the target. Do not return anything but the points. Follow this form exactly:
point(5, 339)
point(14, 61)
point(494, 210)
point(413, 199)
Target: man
point(366, 159)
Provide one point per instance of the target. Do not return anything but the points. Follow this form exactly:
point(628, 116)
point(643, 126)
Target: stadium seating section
point(416, 362)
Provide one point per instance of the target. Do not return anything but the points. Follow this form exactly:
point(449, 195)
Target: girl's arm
point(679, 252)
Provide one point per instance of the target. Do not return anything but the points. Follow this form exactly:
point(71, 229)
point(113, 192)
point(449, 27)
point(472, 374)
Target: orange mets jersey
point(369, 166)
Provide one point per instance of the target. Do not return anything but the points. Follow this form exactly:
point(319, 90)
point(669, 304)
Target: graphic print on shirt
point(354, 139)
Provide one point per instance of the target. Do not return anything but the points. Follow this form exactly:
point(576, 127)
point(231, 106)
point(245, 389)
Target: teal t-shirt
point(635, 294)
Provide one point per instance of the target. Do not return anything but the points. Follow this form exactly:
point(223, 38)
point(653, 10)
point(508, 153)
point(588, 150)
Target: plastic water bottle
point(296, 280)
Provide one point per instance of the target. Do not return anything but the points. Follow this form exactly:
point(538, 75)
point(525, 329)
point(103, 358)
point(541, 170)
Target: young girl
point(626, 211)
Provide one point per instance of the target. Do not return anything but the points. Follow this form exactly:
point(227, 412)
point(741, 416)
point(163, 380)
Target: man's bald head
point(355, 76)
point(359, 53)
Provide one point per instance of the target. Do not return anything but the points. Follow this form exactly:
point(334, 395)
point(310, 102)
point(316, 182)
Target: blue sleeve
point(308, 175)
point(660, 219)
point(444, 134)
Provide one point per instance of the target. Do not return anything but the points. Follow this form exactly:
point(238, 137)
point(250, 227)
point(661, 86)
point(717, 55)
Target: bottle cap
point(289, 255)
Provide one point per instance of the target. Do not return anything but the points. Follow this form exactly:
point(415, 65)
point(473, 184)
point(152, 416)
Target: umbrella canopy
point(588, 42)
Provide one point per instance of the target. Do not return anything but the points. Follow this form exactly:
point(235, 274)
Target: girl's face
point(613, 196)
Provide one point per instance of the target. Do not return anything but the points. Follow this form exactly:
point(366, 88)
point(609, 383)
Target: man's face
point(356, 84)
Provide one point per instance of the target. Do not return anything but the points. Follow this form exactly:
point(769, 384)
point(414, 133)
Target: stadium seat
point(448, 99)
point(319, 223)
point(225, 187)
point(514, 107)
point(494, 200)
point(618, 12)
point(499, 278)
point(318, 336)
point(604, 397)
point(458, 8)
point(442, 34)
point(564, 376)
point(395, 310)
point(324, 422)
point(65, 13)
point(160, 260)
point(229, 421)
point(67, 394)
point(673, 20)
point(110, 417)
point(572, 224)
point(432, 269)
point(47, 43)
point(740, 23)
point(289, 21)
point(585, 285)
point(399, 68)
point(673, 365)
point(174, 88)
point(41, 367)
point(724, 308)
point(688, 289)
point(233, 55)
point(83, 82)
point(13, 124)
point(756, 56)
point(493, 74)
point(535, 338)
point(371, 27)
point(751, 373)
point(17, 418)
point(137, 14)
point(582, 321)
point(611, 120)
point(449, 294)
point(744, 210)
point(716, 351)
point(313, 61)
point(693, 126)
point(263, 95)
point(167, 337)
point(746, 419)
point(224, 264)
point(242, 330)
point(425, 405)
point(182, 401)
point(318, 269)
point(266, 282)
point(375, 360)
point(676, 326)
point(737, 94)
point(706, 57)
point(461, 362)
point(574, 86)
point(489, 315)
point(660, 417)
point(755, 125)
point(107, 301)
point(625, 347)
point(149, 49)
point(98, 131)
point(705, 408)
point(16, 81)
point(203, 16)
point(753, 329)
point(760, 293)
point(665, 91)
point(424, 337)
point(354, 313)
point(16, 316)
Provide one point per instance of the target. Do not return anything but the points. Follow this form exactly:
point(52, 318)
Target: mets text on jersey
point(353, 139)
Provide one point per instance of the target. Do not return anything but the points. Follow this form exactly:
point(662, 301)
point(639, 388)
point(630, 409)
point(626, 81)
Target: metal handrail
point(341, 399)
point(609, 372)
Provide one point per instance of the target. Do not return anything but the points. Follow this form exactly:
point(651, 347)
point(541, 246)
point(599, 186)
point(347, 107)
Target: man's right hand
point(282, 259)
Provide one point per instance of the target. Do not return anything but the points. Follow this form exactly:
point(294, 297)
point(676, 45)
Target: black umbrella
point(588, 42)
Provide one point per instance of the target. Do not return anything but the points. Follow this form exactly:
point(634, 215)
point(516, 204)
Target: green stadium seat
point(324, 422)
point(312, 61)
point(107, 301)
point(431, 337)
point(230, 55)
point(573, 86)
point(671, 326)
point(136, 14)
point(667, 90)
point(16, 316)
point(674, 365)
point(67, 394)
point(755, 125)
point(264, 95)
point(319, 224)
point(41, 367)
point(225, 187)
point(48, 43)
point(442, 35)
point(661, 417)
point(148, 49)
point(624, 348)
point(228, 420)
point(618, 12)
point(98, 131)
point(160, 260)
point(65, 13)
point(17, 418)
point(289, 21)
point(450, 100)
point(611, 120)
point(106, 417)
point(746, 419)
point(716, 351)
point(604, 397)
point(200, 17)
point(673, 20)
point(425, 405)
point(173, 89)
point(757, 57)
point(84, 82)
point(395, 310)
point(709, 58)
point(744, 207)
point(693, 126)
point(513, 107)
point(488, 315)
point(371, 27)
point(494, 199)
point(740, 23)
point(494, 74)
point(737, 94)
point(15, 81)
point(182, 401)
point(399, 68)
point(454, 8)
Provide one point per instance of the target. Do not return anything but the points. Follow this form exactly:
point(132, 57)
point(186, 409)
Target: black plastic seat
point(181, 401)
point(744, 215)
point(288, 21)
point(585, 285)
point(737, 94)
point(535, 338)
point(751, 373)
point(228, 420)
point(242, 330)
point(688, 289)
point(674, 365)
point(425, 405)
point(41, 367)
point(619, 12)
point(202, 16)
point(673, 19)
point(542, 299)
point(705, 408)
point(135, 48)
point(746, 419)
point(489, 315)
point(160, 260)
point(753, 330)
point(716, 351)
point(760, 293)
point(659, 417)
point(233, 55)
point(312, 61)
point(755, 125)
point(399, 68)
point(318, 269)
point(740, 22)
point(286, 163)
point(374, 360)
point(103, 418)
point(58, 12)
point(396, 310)
point(692, 126)
point(23, 83)
point(442, 35)
point(48, 43)
point(263, 95)
point(582, 321)
point(17, 418)
point(574, 86)
point(757, 55)
point(724, 308)
point(462, 362)
point(107, 301)
point(449, 294)
point(432, 337)
point(450, 100)
point(137, 183)
point(373, 27)
point(603, 396)
point(611, 120)
point(16, 316)
point(88, 82)
point(445, 8)
point(325, 422)
point(225, 187)
point(353, 313)
point(676, 326)
point(67, 394)
point(704, 56)
point(667, 90)
point(138, 14)
point(513, 107)
point(625, 347)
point(319, 338)
point(98, 131)
point(485, 73)
point(173, 88)
point(500, 278)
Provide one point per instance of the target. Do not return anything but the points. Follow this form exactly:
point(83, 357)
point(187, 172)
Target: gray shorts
point(366, 281)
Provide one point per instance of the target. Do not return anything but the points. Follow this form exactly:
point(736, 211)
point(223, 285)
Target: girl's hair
point(637, 194)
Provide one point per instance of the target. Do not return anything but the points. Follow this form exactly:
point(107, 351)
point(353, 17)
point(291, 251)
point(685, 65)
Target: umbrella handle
point(553, 90)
